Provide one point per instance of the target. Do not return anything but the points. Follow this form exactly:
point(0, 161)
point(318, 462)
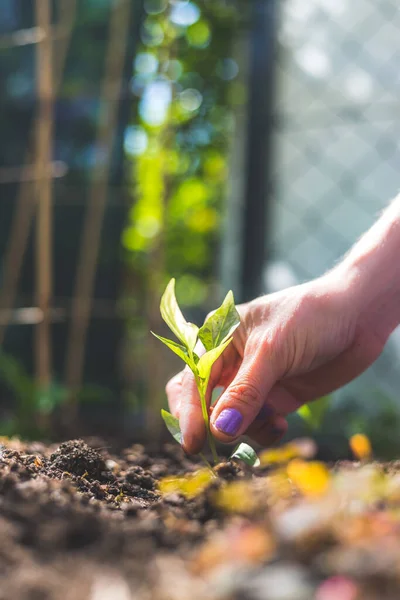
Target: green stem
point(211, 442)
point(203, 458)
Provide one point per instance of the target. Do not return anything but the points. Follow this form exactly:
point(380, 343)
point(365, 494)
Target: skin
point(294, 346)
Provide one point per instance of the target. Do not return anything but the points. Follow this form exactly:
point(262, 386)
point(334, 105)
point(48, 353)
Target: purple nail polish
point(229, 421)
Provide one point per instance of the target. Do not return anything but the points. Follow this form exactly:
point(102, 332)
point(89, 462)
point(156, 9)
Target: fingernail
point(229, 421)
point(265, 412)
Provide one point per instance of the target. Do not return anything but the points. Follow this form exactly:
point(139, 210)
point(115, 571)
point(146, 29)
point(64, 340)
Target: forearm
point(373, 269)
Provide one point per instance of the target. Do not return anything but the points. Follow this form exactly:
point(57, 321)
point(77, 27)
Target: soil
point(80, 522)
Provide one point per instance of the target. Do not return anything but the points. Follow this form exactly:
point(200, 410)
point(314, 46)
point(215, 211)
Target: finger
point(190, 413)
point(267, 431)
point(282, 401)
point(173, 390)
point(244, 397)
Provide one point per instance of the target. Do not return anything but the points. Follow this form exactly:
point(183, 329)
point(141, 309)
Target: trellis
point(34, 203)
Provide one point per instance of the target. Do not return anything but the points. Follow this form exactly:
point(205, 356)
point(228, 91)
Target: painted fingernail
point(265, 412)
point(229, 421)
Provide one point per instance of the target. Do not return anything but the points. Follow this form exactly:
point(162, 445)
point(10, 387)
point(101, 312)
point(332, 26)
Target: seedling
point(215, 336)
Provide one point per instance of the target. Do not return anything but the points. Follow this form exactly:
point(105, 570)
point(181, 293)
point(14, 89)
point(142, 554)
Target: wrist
point(372, 271)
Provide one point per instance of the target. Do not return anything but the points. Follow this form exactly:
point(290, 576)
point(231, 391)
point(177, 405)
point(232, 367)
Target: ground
point(81, 522)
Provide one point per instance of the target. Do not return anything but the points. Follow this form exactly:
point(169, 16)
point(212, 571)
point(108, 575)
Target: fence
point(336, 141)
point(45, 194)
point(73, 88)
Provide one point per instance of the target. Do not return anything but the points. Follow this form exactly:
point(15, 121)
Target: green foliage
point(207, 360)
point(220, 325)
point(314, 412)
point(216, 336)
point(181, 351)
point(179, 151)
point(172, 425)
point(31, 401)
point(176, 149)
point(173, 317)
point(33, 405)
point(247, 454)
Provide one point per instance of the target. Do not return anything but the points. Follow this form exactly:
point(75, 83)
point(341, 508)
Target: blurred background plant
point(228, 144)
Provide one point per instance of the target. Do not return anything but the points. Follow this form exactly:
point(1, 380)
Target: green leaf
point(314, 412)
point(49, 397)
point(206, 361)
point(172, 424)
point(221, 324)
point(247, 454)
point(178, 349)
point(172, 315)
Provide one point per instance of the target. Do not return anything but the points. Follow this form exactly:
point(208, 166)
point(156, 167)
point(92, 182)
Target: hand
point(291, 347)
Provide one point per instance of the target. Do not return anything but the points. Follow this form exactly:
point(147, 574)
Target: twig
point(31, 36)
point(56, 169)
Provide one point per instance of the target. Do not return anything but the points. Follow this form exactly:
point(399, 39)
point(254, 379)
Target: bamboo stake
point(44, 229)
point(26, 199)
point(81, 304)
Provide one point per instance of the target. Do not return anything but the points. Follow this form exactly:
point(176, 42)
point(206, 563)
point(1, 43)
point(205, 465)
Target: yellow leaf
point(171, 485)
point(275, 456)
point(310, 478)
point(279, 486)
point(190, 485)
point(198, 482)
point(361, 446)
point(301, 448)
point(236, 497)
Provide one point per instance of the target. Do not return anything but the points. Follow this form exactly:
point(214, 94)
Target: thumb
point(243, 399)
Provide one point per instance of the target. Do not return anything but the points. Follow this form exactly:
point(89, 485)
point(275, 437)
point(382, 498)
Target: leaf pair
point(215, 335)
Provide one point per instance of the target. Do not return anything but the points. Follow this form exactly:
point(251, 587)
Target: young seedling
point(215, 336)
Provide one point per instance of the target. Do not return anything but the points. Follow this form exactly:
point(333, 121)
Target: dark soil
point(79, 522)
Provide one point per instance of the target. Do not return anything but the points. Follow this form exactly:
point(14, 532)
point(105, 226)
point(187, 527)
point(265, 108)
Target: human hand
point(291, 347)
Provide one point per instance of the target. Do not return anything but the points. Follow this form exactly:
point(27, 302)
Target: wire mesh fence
point(336, 140)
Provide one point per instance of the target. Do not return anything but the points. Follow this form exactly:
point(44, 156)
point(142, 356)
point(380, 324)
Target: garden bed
point(82, 523)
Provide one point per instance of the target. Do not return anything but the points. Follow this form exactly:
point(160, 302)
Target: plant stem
point(211, 443)
point(203, 458)
point(202, 387)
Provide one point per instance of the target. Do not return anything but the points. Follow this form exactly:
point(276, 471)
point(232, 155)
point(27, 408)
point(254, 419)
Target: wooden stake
point(81, 304)
point(43, 242)
point(26, 200)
